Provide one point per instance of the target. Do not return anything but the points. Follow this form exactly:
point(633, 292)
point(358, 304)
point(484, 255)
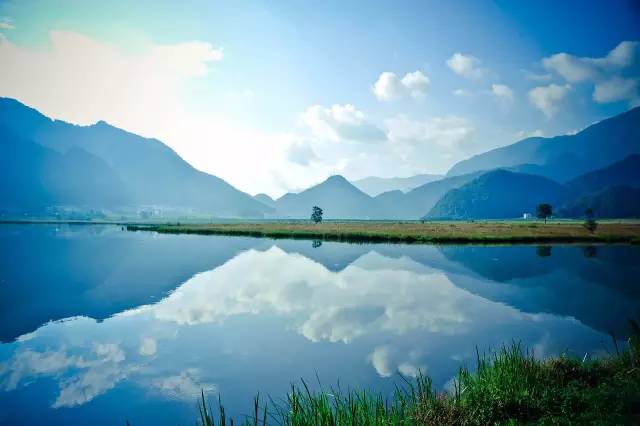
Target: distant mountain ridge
point(139, 171)
point(45, 163)
point(564, 157)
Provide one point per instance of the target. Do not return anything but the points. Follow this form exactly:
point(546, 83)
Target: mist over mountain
point(375, 186)
point(58, 163)
point(564, 157)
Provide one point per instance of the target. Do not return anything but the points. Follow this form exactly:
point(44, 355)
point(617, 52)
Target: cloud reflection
point(397, 314)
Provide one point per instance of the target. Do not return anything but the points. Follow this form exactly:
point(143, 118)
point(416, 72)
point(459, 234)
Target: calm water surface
point(99, 325)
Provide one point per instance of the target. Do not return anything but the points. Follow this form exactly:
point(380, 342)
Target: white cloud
point(93, 374)
point(324, 307)
point(615, 75)
point(340, 122)
point(29, 363)
point(336, 136)
point(5, 24)
point(546, 98)
point(462, 93)
point(148, 346)
point(301, 153)
point(576, 69)
point(410, 370)
point(616, 89)
point(502, 93)
point(381, 362)
point(416, 83)
point(571, 68)
point(448, 131)
point(186, 385)
point(466, 66)
point(387, 361)
point(389, 86)
point(534, 76)
point(532, 134)
point(88, 384)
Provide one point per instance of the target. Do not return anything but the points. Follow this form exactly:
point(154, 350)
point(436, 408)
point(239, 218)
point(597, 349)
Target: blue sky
point(275, 96)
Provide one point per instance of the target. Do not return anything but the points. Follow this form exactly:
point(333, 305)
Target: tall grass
point(507, 386)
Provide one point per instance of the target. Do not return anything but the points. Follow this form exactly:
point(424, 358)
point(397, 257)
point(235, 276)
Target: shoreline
point(416, 233)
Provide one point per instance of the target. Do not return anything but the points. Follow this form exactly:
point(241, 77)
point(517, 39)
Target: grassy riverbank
point(509, 386)
point(415, 232)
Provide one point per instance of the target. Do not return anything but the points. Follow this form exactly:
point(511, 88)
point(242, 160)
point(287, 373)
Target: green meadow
point(418, 232)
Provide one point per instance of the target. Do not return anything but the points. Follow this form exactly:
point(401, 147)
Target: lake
point(99, 325)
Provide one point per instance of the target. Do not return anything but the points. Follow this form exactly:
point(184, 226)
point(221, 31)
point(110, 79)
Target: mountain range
point(53, 163)
point(48, 165)
point(564, 157)
point(501, 194)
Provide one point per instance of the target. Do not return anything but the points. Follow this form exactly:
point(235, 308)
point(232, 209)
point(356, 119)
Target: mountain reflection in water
point(150, 319)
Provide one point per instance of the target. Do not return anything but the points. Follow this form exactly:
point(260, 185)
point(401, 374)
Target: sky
point(277, 96)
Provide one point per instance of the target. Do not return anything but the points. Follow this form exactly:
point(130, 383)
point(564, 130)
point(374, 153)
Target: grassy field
point(508, 386)
point(416, 232)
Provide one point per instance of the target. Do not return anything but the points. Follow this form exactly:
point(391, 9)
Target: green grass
point(416, 232)
point(508, 386)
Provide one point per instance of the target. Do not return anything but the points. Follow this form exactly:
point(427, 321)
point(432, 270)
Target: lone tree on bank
point(316, 214)
point(590, 221)
point(544, 211)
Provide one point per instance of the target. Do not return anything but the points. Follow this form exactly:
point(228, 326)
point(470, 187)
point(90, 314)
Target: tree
point(544, 211)
point(590, 221)
point(316, 214)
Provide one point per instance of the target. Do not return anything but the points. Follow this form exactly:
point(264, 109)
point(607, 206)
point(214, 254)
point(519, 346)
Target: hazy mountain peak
point(337, 180)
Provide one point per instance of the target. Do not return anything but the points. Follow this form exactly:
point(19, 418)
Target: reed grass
point(508, 386)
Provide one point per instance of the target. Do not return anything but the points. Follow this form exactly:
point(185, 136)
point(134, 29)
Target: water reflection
point(253, 314)
point(543, 251)
point(590, 251)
